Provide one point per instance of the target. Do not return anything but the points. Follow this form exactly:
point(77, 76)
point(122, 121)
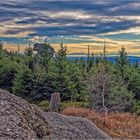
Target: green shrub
point(44, 105)
point(136, 107)
point(65, 105)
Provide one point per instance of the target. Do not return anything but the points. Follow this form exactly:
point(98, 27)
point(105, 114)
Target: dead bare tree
point(108, 94)
point(99, 87)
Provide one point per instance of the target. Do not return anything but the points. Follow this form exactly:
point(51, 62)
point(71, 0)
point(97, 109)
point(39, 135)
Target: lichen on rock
point(19, 119)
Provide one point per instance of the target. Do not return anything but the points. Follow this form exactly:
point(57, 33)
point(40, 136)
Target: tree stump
point(55, 102)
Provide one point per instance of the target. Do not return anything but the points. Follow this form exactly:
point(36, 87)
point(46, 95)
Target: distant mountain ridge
point(112, 59)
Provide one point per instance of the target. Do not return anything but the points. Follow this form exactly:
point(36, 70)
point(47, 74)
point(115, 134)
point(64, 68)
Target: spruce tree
point(8, 69)
point(45, 57)
point(23, 84)
point(78, 88)
point(68, 77)
point(29, 58)
point(122, 62)
point(82, 66)
point(61, 75)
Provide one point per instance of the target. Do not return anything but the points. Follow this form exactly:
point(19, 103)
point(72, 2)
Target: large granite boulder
point(21, 120)
point(74, 128)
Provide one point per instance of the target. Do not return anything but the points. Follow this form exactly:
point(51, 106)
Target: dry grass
point(117, 125)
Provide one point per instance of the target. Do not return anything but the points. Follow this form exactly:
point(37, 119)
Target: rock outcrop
point(68, 127)
point(40, 48)
point(21, 120)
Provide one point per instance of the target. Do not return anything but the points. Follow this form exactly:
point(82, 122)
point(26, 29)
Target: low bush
point(136, 108)
point(117, 125)
point(44, 105)
point(65, 105)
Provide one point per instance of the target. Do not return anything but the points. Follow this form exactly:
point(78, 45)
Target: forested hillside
point(97, 84)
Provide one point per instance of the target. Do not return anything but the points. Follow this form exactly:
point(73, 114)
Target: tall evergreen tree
point(32, 85)
point(8, 69)
point(82, 66)
point(29, 58)
point(46, 57)
point(23, 83)
point(122, 61)
point(78, 88)
point(34, 81)
point(67, 76)
point(61, 74)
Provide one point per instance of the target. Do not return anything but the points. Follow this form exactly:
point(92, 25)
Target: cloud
point(33, 20)
point(131, 30)
point(66, 13)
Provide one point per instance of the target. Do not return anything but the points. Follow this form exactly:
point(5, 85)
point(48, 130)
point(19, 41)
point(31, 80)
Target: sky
point(76, 23)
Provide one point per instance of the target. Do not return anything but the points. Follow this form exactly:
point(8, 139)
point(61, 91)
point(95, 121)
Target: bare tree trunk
point(103, 100)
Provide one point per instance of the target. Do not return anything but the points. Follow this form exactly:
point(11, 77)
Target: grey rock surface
point(40, 48)
point(20, 120)
point(68, 127)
